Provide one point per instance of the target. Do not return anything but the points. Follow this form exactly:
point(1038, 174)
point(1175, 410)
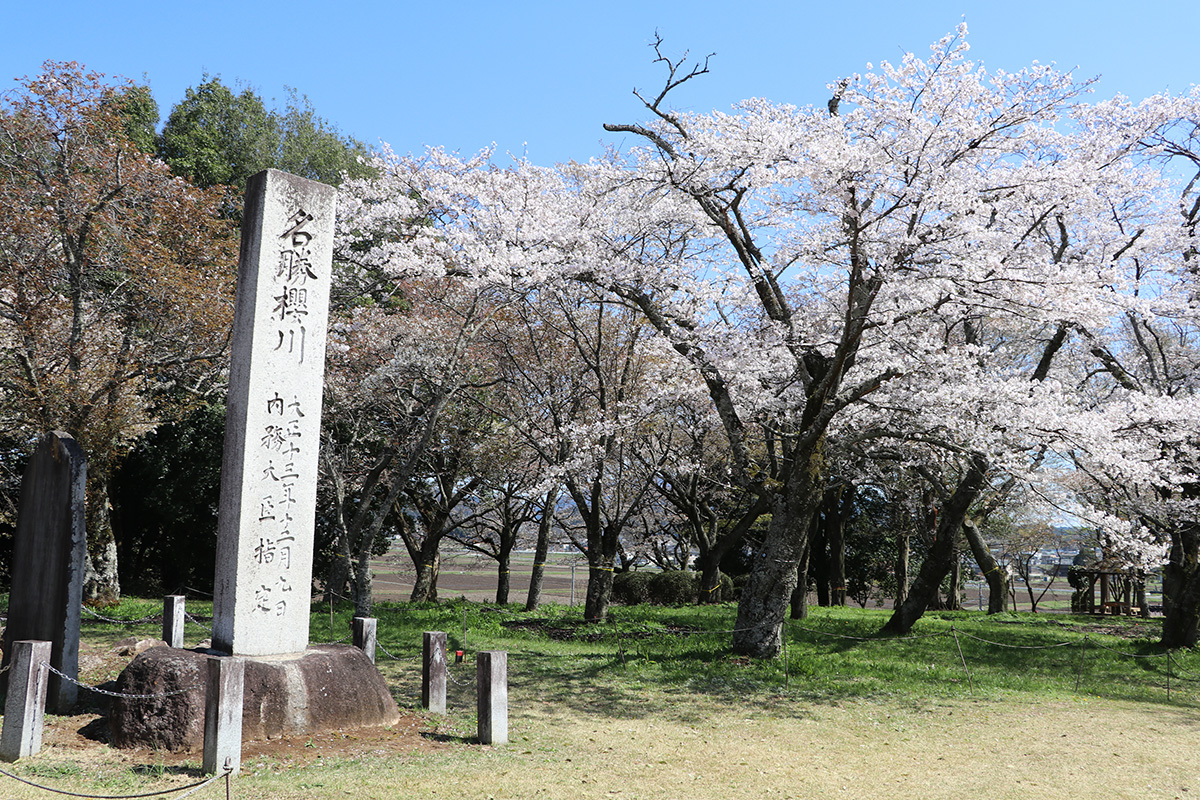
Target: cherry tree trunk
point(710, 579)
point(599, 592)
point(800, 593)
point(502, 578)
point(953, 599)
point(818, 560)
point(425, 587)
point(997, 592)
point(942, 554)
point(837, 514)
point(541, 550)
point(534, 598)
point(767, 596)
point(1181, 589)
point(339, 576)
point(363, 588)
point(902, 555)
point(101, 584)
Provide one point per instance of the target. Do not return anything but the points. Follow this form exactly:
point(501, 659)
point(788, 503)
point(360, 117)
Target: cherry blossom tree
point(925, 265)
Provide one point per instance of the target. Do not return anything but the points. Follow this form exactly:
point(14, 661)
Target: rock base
point(326, 688)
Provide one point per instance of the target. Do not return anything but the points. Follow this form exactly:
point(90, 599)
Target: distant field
point(468, 574)
point(471, 575)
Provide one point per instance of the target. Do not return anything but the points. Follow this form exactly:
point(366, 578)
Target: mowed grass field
point(653, 704)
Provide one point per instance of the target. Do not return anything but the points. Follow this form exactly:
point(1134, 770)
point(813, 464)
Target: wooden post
point(25, 708)
point(433, 672)
point(491, 677)
point(364, 635)
point(223, 714)
point(174, 614)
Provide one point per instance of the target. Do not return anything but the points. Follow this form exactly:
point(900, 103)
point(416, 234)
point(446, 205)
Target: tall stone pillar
point(273, 417)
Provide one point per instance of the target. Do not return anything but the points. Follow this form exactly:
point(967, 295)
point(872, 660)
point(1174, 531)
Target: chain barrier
point(342, 640)
point(189, 618)
point(456, 681)
point(142, 621)
point(123, 695)
point(392, 656)
point(191, 788)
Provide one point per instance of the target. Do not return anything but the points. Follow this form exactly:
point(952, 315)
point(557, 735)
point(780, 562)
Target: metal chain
point(195, 621)
point(151, 618)
point(455, 681)
point(339, 641)
point(389, 653)
point(123, 695)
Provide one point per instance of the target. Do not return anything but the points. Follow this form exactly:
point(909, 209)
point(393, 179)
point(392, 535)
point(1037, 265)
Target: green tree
point(165, 497)
point(140, 111)
point(214, 136)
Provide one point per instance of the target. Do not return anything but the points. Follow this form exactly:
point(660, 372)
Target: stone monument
point(48, 558)
point(273, 418)
point(268, 501)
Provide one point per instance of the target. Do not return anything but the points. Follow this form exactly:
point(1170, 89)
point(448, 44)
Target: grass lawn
point(653, 704)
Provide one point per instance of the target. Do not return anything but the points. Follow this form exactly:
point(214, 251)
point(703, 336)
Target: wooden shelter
point(1122, 589)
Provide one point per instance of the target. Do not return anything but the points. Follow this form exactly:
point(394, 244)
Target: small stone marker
point(226, 682)
point(433, 672)
point(24, 709)
point(174, 614)
point(273, 418)
point(48, 556)
point(364, 630)
point(491, 677)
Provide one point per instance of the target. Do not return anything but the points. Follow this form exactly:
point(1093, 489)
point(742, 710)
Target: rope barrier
point(1131, 655)
point(189, 789)
point(963, 659)
point(866, 638)
point(1016, 646)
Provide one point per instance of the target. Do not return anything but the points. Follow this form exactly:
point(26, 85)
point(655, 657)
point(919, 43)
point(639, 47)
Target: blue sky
point(542, 77)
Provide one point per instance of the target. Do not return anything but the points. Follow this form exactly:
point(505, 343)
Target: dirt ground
point(85, 736)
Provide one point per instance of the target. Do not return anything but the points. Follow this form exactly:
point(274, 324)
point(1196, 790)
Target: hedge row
point(667, 588)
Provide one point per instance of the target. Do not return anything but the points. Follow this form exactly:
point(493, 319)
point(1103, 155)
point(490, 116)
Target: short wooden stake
point(491, 677)
point(223, 714)
point(433, 672)
point(174, 614)
point(364, 635)
point(25, 708)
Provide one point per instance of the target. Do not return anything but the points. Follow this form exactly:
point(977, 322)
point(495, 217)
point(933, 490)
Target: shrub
point(631, 588)
point(674, 587)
